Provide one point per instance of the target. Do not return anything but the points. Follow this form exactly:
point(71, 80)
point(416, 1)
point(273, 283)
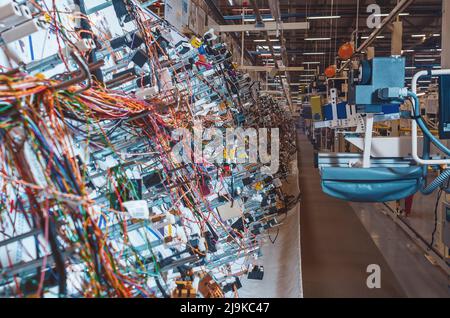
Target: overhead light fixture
point(436, 35)
point(378, 37)
point(326, 17)
point(426, 56)
point(310, 63)
point(425, 60)
point(317, 39)
point(264, 40)
point(404, 14)
point(268, 19)
point(308, 75)
point(314, 53)
point(418, 35)
point(410, 67)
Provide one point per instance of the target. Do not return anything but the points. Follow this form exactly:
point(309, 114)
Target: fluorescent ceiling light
point(308, 75)
point(378, 37)
point(425, 60)
point(422, 56)
point(404, 14)
point(314, 53)
point(268, 19)
point(264, 40)
point(410, 67)
point(324, 17)
point(308, 63)
point(418, 35)
point(317, 39)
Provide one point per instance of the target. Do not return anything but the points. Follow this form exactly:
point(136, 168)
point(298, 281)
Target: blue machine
point(373, 76)
point(375, 88)
point(444, 110)
point(327, 110)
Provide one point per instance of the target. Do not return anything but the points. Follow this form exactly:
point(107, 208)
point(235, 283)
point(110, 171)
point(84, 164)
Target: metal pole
point(404, 4)
point(445, 36)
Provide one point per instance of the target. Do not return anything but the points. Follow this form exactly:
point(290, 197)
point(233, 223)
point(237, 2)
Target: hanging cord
point(435, 217)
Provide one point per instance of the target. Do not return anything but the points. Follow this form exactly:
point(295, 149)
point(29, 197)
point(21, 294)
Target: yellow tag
point(47, 17)
point(242, 155)
point(40, 76)
point(259, 186)
point(196, 42)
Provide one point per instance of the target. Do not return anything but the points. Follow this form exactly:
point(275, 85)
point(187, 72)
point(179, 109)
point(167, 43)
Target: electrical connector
point(390, 93)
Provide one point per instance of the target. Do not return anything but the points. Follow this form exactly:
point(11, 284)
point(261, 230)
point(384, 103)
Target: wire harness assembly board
point(103, 190)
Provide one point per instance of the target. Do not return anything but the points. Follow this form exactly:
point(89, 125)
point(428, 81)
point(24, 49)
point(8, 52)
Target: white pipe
point(415, 153)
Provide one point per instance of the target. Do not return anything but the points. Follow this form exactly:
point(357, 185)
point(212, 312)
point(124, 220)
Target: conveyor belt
point(335, 247)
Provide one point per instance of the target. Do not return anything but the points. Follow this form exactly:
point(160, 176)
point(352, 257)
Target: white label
point(138, 209)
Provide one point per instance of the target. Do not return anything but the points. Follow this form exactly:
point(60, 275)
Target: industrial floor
point(338, 240)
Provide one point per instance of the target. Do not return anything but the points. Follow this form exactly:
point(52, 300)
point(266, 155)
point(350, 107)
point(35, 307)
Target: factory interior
point(227, 149)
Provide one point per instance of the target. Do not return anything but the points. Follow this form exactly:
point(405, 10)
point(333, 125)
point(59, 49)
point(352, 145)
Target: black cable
point(161, 289)
point(435, 217)
point(276, 236)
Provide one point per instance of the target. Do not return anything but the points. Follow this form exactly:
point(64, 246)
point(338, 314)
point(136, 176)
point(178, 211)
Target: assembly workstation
point(224, 149)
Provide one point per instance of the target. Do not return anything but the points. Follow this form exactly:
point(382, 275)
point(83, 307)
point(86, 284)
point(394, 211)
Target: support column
point(445, 36)
point(397, 38)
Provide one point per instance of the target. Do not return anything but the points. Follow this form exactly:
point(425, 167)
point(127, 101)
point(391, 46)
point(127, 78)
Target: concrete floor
point(417, 276)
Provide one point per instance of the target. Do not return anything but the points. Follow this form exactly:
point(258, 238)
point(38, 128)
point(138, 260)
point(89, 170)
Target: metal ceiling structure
point(317, 46)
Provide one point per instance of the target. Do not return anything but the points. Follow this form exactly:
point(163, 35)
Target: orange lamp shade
point(346, 51)
point(330, 71)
